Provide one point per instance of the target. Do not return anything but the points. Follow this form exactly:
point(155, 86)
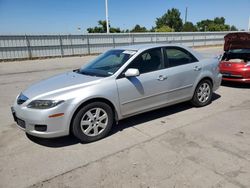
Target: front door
point(149, 89)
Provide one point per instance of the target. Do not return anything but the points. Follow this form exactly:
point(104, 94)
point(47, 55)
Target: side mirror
point(132, 72)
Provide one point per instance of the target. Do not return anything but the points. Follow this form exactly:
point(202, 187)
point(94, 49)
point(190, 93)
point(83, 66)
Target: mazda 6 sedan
point(120, 83)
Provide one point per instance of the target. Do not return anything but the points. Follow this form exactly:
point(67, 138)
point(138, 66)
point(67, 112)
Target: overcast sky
point(65, 16)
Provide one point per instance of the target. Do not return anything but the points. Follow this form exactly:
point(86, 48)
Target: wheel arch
point(199, 81)
point(206, 78)
point(98, 99)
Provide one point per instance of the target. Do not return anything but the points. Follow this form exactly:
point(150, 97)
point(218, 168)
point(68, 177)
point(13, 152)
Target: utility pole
point(186, 14)
point(107, 16)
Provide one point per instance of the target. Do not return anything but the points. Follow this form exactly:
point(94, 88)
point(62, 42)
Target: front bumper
point(29, 119)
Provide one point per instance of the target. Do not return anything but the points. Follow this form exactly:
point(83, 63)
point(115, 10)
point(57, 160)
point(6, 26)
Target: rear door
point(182, 71)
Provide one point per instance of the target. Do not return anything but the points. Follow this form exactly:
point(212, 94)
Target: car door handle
point(197, 68)
point(162, 77)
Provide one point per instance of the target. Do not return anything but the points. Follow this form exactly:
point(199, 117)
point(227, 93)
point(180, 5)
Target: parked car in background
point(235, 62)
point(119, 83)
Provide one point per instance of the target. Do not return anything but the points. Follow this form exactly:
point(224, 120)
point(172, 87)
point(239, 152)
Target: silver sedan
point(119, 83)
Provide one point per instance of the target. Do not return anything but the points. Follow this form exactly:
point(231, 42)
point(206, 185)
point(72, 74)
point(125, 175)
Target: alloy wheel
point(203, 92)
point(94, 121)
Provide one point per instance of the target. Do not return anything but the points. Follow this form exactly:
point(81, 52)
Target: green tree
point(219, 20)
point(171, 19)
point(102, 28)
point(138, 29)
point(189, 27)
point(218, 24)
point(233, 28)
point(164, 28)
point(203, 24)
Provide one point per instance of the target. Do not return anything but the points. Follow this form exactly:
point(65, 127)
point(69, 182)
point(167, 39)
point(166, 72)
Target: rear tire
point(93, 122)
point(203, 94)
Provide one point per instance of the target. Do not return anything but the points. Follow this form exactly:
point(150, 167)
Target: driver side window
point(148, 61)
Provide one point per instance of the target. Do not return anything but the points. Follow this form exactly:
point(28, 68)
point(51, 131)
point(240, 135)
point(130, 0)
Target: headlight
point(43, 104)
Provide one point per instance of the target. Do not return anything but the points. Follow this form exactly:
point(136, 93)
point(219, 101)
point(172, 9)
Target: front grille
point(21, 99)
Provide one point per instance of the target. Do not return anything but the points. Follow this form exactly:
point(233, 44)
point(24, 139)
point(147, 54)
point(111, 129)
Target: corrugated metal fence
point(37, 46)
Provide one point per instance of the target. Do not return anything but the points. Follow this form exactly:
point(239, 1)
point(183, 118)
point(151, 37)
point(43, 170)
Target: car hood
point(61, 82)
point(237, 41)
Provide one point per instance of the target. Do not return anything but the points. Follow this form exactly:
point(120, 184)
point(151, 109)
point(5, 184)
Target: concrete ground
point(177, 146)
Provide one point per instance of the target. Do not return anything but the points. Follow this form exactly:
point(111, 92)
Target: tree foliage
point(138, 29)
point(170, 22)
point(233, 28)
point(171, 19)
point(189, 27)
point(218, 24)
point(102, 28)
point(164, 28)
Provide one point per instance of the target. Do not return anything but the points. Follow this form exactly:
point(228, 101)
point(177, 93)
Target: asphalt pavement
point(178, 146)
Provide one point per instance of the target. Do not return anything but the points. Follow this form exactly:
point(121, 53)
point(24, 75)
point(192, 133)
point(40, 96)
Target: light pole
point(107, 16)
point(249, 24)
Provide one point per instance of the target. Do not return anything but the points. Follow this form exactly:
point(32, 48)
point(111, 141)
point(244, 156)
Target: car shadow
point(155, 114)
point(236, 85)
point(123, 124)
point(54, 142)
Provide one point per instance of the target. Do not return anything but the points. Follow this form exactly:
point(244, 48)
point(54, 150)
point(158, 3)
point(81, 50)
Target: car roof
point(146, 46)
point(142, 47)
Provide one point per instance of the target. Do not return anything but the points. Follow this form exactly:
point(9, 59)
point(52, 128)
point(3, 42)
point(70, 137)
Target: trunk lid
point(239, 40)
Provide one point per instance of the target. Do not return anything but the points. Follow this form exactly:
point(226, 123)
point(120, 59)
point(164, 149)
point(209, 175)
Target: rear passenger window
point(178, 57)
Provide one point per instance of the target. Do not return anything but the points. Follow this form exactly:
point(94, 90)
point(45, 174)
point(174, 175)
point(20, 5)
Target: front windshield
point(108, 63)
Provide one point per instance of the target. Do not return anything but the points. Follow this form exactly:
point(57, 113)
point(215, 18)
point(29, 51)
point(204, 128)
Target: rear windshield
point(243, 54)
point(241, 51)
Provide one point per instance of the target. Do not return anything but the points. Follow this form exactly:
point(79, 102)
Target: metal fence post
point(28, 46)
point(181, 40)
point(71, 44)
point(193, 40)
point(113, 37)
point(61, 46)
point(88, 45)
point(205, 42)
point(133, 38)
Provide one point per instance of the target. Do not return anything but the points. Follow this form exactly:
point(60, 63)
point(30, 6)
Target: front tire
point(93, 122)
point(203, 94)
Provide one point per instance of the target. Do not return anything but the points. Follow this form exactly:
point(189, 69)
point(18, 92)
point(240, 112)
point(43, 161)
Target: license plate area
point(226, 74)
